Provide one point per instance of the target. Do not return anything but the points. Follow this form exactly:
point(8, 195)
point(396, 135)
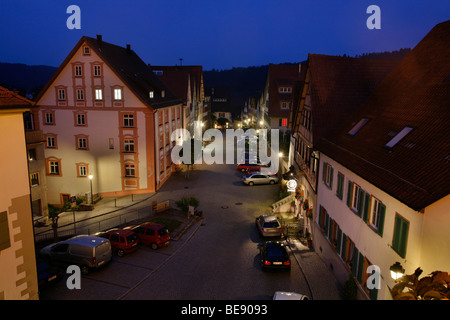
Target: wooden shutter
point(400, 235)
point(355, 257)
point(360, 267)
point(360, 207)
point(349, 194)
point(381, 216)
point(338, 240)
point(366, 208)
point(344, 246)
point(331, 178)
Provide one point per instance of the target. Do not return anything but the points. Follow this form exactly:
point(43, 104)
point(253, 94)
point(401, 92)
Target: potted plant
point(306, 205)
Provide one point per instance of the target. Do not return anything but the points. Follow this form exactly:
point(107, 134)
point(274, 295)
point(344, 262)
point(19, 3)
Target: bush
point(185, 202)
point(350, 288)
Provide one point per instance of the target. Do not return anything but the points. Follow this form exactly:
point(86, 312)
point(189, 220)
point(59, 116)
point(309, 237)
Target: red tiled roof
point(128, 66)
point(12, 100)
point(416, 94)
point(338, 85)
point(281, 75)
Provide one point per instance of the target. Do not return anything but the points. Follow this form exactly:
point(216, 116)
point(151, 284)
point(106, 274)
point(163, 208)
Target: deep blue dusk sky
point(215, 34)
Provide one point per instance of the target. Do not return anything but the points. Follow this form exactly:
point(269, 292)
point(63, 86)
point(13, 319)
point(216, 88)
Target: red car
point(152, 234)
point(122, 240)
point(256, 169)
point(244, 166)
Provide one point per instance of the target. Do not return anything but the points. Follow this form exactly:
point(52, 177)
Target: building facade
point(18, 276)
point(107, 120)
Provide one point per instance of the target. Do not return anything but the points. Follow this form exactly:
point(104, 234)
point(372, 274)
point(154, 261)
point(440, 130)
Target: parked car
point(86, 251)
point(122, 241)
point(259, 178)
point(274, 256)
point(47, 274)
point(283, 295)
point(152, 234)
point(251, 170)
point(243, 166)
point(269, 226)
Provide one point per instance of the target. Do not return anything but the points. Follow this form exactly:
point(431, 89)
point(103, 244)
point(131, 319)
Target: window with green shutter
point(340, 186)
point(349, 194)
point(400, 238)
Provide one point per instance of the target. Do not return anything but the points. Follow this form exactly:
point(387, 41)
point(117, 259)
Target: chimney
point(99, 38)
point(128, 48)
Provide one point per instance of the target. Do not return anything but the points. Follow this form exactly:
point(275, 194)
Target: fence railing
point(96, 223)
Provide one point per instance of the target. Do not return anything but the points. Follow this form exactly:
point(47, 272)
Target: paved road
point(218, 259)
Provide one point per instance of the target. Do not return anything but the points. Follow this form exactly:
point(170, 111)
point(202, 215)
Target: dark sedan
point(274, 256)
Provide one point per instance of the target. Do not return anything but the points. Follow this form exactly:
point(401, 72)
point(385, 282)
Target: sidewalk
point(321, 281)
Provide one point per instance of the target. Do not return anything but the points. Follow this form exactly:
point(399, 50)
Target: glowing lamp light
point(397, 271)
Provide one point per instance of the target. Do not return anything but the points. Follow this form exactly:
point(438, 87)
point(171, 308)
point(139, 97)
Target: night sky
point(215, 34)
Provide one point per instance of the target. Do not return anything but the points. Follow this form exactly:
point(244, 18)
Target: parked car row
point(94, 251)
point(254, 175)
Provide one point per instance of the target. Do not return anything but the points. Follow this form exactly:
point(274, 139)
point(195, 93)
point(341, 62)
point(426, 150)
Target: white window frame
point(80, 94)
point(53, 167)
point(82, 143)
point(51, 142)
point(62, 94)
point(97, 70)
point(128, 145)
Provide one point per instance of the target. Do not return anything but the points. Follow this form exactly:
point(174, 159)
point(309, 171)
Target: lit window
point(117, 94)
point(98, 94)
point(358, 126)
point(399, 136)
point(284, 122)
point(151, 94)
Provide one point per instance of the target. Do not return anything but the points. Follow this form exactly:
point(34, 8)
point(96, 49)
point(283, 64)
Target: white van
point(85, 251)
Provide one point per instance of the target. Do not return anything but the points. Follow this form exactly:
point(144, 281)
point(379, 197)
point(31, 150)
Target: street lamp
point(90, 179)
point(397, 271)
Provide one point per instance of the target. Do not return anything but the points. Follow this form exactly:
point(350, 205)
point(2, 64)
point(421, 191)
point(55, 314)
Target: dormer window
point(151, 94)
point(399, 136)
point(163, 94)
point(285, 90)
point(86, 51)
point(358, 126)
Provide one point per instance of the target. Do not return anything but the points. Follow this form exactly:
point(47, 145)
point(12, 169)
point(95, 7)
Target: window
point(358, 200)
point(78, 71)
point(129, 145)
point(128, 120)
point(130, 170)
point(284, 105)
point(340, 186)
point(80, 119)
point(53, 167)
point(399, 136)
point(62, 94)
point(5, 241)
point(97, 70)
point(283, 123)
point(400, 235)
point(50, 141)
point(80, 94)
point(87, 51)
point(285, 89)
point(328, 175)
point(82, 143)
point(82, 170)
point(118, 94)
point(31, 154)
point(358, 126)
point(34, 179)
point(378, 211)
point(49, 118)
point(151, 94)
point(98, 94)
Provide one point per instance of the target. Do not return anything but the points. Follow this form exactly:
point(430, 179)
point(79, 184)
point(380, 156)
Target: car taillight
point(287, 263)
point(267, 262)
